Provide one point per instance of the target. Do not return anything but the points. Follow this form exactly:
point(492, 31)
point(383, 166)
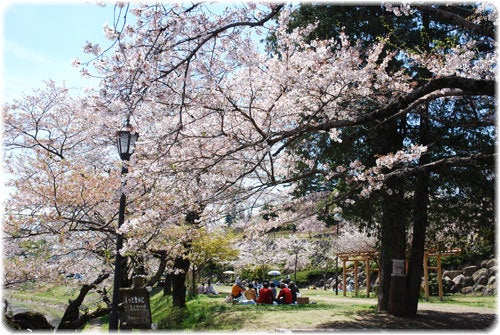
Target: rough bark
point(393, 225)
point(393, 240)
point(72, 318)
point(167, 289)
point(181, 267)
point(162, 256)
point(420, 221)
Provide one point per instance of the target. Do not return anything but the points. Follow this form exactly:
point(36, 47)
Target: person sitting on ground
point(237, 290)
point(250, 296)
point(201, 288)
point(210, 289)
point(250, 293)
point(272, 287)
point(265, 294)
point(285, 295)
point(256, 286)
point(295, 290)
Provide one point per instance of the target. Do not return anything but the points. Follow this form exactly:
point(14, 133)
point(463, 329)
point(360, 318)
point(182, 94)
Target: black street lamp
point(338, 218)
point(126, 146)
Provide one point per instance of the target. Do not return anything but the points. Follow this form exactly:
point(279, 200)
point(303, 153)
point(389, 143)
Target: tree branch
point(467, 85)
point(71, 318)
point(442, 15)
point(444, 162)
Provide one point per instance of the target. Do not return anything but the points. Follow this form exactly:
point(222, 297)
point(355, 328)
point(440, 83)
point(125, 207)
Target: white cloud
point(22, 53)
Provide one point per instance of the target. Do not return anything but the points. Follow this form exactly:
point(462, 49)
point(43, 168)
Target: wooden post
point(367, 267)
point(356, 278)
point(440, 279)
point(426, 275)
point(343, 277)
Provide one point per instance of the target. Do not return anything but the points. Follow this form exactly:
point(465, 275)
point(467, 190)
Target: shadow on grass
point(200, 315)
point(423, 320)
point(209, 313)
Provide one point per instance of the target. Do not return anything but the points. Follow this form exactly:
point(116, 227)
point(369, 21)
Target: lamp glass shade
point(126, 143)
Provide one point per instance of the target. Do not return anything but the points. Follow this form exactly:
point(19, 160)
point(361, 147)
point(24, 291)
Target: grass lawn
point(326, 310)
point(211, 313)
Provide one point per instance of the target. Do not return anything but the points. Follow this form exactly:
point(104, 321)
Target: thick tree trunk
point(181, 267)
point(167, 289)
point(393, 226)
point(393, 242)
point(420, 220)
point(415, 266)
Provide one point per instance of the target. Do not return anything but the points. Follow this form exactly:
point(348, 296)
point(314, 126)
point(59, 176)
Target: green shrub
point(434, 285)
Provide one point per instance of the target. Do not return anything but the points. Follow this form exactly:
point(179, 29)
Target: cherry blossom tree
point(63, 189)
point(216, 114)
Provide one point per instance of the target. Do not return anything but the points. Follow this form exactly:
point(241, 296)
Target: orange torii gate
point(356, 257)
point(371, 255)
point(437, 254)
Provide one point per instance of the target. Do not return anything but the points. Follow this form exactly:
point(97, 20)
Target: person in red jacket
point(285, 295)
point(265, 294)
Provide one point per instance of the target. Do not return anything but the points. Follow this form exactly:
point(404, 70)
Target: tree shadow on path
point(425, 320)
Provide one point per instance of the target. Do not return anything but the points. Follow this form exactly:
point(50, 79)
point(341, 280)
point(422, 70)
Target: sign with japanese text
point(137, 309)
point(398, 267)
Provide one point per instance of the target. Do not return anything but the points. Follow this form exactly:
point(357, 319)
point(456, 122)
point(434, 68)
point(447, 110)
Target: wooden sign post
point(136, 307)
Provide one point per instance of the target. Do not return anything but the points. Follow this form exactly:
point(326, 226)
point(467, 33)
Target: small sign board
point(398, 267)
point(137, 308)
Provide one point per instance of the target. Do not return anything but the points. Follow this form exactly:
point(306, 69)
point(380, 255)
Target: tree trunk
point(193, 281)
point(393, 227)
point(393, 242)
point(181, 267)
point(72, 318)
point(162, 256)
point(295, 267)
point(420, 220)
point(167, 289)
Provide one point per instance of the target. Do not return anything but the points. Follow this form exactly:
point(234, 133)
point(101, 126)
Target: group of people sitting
point(267, 294)
point(209, 289)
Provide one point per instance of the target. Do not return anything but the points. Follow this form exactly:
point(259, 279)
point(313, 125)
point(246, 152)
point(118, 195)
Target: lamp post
point(338, 218)
point(126, 146)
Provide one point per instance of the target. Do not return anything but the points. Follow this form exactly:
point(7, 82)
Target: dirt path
point(429, 317)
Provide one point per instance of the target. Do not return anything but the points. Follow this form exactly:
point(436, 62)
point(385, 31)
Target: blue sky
point(41, 39)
